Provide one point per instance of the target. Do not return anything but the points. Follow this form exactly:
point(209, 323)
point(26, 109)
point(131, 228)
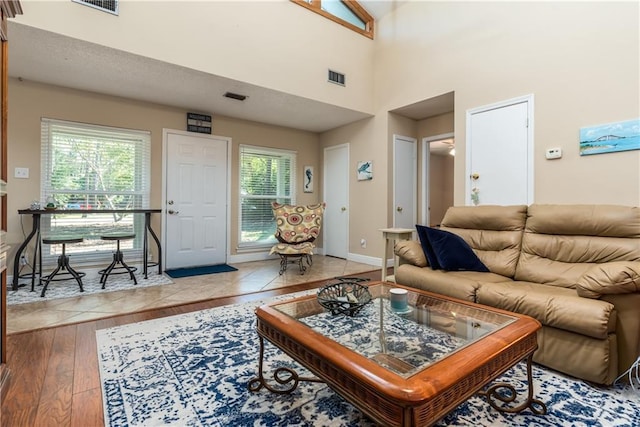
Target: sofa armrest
point(619, 277)
point(410, 252)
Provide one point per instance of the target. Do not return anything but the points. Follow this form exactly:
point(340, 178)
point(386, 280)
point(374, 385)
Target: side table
point(393, 235)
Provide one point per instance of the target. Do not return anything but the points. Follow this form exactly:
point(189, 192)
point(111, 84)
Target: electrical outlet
point(23, 259)
point(22, 173)
point(363, 243)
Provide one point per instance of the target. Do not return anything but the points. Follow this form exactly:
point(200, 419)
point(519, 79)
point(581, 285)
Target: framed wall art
point(365, 170)
point(610, 137)
point(307, 180)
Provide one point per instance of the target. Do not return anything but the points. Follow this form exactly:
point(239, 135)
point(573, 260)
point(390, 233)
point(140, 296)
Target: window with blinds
point(93, 167)
point(266, 175)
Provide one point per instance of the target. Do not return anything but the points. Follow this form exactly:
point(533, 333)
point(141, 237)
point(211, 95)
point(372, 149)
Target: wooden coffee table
point(402, 369)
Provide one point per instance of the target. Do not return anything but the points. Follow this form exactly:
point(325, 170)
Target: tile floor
point(250, 277)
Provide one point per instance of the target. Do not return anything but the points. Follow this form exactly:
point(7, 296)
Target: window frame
point(143, 192)
point(354, 6)
point(291, 199)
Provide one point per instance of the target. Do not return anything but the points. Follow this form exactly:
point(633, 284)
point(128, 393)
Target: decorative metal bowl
point(344, 297)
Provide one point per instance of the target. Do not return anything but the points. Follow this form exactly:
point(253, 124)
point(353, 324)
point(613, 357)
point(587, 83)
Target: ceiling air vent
point(235, 96)
point(337, 78)
point(110, 6)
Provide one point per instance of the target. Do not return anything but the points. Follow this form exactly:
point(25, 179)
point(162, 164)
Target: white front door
point(500, 153)
point(336, 190)
point(405, 181)
point(195, 199)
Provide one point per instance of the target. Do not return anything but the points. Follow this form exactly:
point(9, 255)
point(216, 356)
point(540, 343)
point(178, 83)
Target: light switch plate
point(22, 173)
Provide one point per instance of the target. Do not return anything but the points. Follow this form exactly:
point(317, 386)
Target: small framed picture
point(365, 171)
point(307, 180)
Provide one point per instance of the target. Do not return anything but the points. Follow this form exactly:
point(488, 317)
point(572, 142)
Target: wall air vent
point(110, 6)
point(337, 78)
point(235, 96)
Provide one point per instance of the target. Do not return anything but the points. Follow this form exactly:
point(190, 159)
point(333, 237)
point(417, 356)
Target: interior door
point(336, 191)
point(405, 181)
point(196, 199)
point(500, 153)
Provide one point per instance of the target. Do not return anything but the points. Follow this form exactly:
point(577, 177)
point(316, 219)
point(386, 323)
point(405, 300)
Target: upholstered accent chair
point(297, 227)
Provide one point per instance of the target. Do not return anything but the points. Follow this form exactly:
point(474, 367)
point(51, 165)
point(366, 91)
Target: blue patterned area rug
point(193, 370)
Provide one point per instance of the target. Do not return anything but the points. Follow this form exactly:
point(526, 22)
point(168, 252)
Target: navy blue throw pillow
point(449, 250)
point(426, 247)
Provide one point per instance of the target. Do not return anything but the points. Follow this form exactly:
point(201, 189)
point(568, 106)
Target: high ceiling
point(50, 58)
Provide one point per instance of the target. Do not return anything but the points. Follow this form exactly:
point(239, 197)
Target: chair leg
point(75, 275)
point(283, 265)
point(130, 270)
point(301, 264)
point(47, 280)
point(107, 271)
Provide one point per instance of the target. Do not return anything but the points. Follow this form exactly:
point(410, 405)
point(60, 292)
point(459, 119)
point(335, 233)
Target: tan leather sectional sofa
point(574, 268)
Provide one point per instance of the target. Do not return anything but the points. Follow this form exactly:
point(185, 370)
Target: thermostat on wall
point(553, 153)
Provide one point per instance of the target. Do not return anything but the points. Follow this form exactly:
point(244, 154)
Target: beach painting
point(610, 137)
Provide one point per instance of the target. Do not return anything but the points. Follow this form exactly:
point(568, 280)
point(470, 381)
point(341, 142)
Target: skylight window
point(347, 13)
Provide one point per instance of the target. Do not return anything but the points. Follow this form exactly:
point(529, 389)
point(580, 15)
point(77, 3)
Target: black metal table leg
point(16, 262)
point(496, 392)
point(283, 376)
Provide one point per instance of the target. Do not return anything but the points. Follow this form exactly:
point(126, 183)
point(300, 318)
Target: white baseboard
point(364, 259)
point(252, 256)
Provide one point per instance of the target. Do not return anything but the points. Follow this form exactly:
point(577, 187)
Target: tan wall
point(30, 101)
point(260, 42)
point(580, 72)
point(441, 187)
point(440, 167)
point(367, 204)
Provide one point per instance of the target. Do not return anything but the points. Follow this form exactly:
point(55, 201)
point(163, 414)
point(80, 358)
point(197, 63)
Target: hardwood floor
point(54, 378)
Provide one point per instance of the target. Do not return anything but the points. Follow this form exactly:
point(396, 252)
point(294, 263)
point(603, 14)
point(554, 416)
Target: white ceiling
point(51, 58)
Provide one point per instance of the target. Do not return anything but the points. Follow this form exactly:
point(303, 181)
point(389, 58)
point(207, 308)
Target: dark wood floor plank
point(54, 408)
point(27, 359)
point(87, 409)
point(86, 375)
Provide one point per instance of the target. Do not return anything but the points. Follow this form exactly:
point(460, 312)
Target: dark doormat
point(198, 271)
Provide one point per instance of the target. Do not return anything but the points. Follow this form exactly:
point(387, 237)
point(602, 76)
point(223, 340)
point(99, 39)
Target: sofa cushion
point(449, 251)
point(456, 284)
point(494, 233)
point(553, 306)
point(621, 277)
point(410, 251)
point(562, 242)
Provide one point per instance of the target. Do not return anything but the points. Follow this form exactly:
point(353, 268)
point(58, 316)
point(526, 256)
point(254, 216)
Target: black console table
point(35, 231)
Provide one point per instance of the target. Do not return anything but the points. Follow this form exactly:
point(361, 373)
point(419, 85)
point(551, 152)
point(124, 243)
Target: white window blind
point(93, 167)
point(266, 175)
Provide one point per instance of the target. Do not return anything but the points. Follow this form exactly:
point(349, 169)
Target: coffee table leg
point(286, 377)
point(493, 393)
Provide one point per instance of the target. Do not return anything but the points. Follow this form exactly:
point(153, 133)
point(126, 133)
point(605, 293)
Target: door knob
point(172, 212)
point(343, 209)
point(399, 208)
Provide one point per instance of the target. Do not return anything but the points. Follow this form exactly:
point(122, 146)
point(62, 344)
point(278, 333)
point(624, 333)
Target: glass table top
point(403, 342)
